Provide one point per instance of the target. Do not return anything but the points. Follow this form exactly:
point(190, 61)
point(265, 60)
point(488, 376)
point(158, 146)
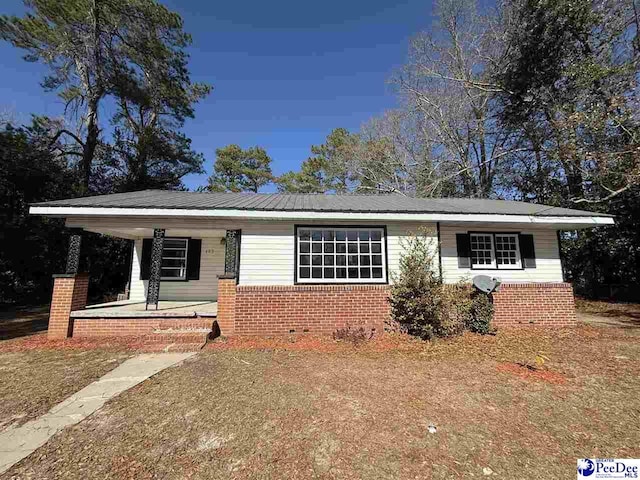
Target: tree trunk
point(484, 174)
point(90, 144)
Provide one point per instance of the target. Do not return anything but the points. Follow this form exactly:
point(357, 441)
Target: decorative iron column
point(73, 255)
point(232, 253)
point(155, 269)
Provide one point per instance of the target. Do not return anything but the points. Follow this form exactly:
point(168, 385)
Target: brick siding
point(226, 318)
point(317, 309)
point(69, 293)
point(543, 304)
point(130, 327)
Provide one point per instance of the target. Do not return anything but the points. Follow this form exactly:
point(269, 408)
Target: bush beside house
point(423, 306)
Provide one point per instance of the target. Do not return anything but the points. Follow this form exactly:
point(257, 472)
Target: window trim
point(518, 265)
point(348, 281)
point(492, 251)
point(495, 266)
point(186, 261)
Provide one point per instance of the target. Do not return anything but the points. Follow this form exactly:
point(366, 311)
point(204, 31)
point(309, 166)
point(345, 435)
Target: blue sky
point(285, 73)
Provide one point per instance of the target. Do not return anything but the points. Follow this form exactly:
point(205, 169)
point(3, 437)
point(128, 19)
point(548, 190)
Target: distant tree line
point(131, 54)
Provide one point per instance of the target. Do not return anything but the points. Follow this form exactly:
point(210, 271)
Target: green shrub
point(421, 305)
point(416, 293)
point(481, 313)
point(455, 306)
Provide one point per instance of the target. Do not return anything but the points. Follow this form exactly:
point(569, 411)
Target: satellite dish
point(486, 284)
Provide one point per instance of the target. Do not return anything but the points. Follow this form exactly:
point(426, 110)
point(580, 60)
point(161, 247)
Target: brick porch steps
point(172, 347)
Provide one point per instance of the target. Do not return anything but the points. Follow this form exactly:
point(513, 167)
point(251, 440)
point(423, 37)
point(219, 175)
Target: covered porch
point(175, 263)
point(173, 281)
point(138, 309)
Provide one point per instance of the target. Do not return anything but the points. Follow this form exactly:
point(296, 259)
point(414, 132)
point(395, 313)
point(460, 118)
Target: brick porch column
point(69, 293)
point(226, 304)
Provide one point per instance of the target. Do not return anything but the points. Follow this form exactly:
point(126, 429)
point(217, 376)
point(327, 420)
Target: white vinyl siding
point(397, 232)
point(548, 267)
point(267, 249)
point(267, 253)
point(206, 288)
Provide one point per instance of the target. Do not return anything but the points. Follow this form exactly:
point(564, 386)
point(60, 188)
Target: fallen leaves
point(31, 382)
point(309, 407)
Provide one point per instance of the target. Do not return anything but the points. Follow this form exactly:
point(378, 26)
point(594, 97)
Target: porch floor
point(136, 309)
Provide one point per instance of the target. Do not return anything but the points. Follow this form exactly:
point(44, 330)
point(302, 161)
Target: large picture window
point(495, 250)
point(341, 255)
point(174, 259)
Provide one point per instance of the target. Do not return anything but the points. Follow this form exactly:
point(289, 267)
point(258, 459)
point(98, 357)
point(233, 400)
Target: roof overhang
point(557, 221)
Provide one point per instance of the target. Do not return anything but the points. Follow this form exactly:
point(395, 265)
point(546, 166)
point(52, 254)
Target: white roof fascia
point(317, 215)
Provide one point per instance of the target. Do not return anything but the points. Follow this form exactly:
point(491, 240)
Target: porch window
point(341, 255)
point(174, 259)
point(495, 250)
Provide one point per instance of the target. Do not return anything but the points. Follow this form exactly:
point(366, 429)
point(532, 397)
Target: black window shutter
point(527, 251)
point(463, 244)
point(145, 258)
point(193, 259)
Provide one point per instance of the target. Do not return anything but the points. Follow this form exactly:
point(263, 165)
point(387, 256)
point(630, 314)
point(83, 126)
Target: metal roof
point(171, 199)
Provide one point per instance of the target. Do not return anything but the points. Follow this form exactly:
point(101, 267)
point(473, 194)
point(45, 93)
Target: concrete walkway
point(17, 443)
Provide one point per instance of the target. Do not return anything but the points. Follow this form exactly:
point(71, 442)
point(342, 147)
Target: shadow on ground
point(600, 313)
point(23, 321)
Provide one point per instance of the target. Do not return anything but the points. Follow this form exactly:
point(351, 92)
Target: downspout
point(439, 250)
point(562, 266)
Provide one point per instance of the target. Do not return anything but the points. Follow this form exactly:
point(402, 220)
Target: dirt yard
point(319, 409)
point(31, 382)
point(600, 313)
point(22, 321)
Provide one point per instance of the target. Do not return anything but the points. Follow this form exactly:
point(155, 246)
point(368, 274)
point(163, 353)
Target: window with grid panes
point(341, 255)
point(495, 250)
point(482, 250)
point(507, 251)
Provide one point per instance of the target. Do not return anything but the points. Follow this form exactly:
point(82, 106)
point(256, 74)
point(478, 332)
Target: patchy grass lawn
point(32, 382)
point(320, 409)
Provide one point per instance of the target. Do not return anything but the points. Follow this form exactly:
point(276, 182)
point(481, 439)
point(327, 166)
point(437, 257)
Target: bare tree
point(449, 82)
point(395, 155)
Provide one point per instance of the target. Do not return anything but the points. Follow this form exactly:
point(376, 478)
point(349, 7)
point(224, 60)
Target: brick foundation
point(543, 304)
point(69, 293)
point(317, 309)
point(134, 327)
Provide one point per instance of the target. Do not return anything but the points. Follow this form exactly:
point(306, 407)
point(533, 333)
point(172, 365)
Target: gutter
point(315, 215)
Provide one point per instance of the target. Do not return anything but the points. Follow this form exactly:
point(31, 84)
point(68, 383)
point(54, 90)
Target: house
point(264, 264)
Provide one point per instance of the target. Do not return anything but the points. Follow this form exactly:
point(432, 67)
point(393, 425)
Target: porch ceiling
point(144, 232)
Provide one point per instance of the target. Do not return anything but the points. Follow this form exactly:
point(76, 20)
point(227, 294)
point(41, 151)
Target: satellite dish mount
point(486, 284)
